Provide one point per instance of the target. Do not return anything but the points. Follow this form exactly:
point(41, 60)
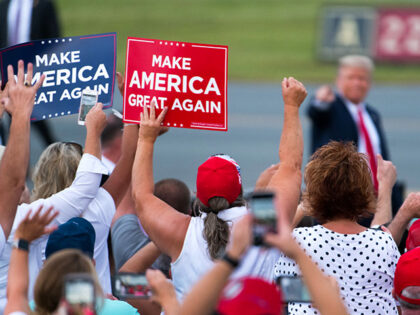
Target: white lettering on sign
point(61, 58)
point(67, 76)
point(173, 82)
point(188, 106)
point(173, 62)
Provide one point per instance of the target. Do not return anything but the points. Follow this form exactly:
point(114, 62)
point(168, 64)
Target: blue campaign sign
point(70, 65)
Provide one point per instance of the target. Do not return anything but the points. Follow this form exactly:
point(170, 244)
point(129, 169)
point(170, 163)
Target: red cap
point(219, 176)
point(413, 239)
point(251, 296)
point(407, 274)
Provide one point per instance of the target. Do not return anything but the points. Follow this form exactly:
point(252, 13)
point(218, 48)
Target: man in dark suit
point(24, 20)
point(345, 116)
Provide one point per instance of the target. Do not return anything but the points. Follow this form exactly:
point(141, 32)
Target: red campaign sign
point(190, 79)
point(398, 35)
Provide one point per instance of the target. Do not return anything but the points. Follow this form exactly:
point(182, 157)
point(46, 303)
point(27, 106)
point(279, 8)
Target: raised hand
point(241, 237)
point(4, 97)
point(411, 205)
point(120, 81)
point(266, 176)
point(21, 94)
point(150, 126)
point(35, 226)
point(163, 291)
point(386, 174)
point(96, 119)
point(294, 92)
point(325, 94)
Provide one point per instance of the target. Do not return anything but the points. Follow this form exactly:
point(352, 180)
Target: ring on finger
point(27, 83)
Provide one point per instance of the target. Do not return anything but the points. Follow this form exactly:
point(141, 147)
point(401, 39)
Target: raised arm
point(72, 201)
point(324, 295)
point(95, 124)
point(142, 260)
point(287, 180)
point(387, 174)
point(120, 179)
point(18, 101)
point(408, 211)
point(165, 226)
point(319, 107)
point(17, 286)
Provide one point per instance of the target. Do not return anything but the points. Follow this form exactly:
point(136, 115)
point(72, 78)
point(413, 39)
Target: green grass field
point(267, 39)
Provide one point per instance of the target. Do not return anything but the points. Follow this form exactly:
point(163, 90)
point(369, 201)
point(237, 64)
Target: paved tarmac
point(255, 123)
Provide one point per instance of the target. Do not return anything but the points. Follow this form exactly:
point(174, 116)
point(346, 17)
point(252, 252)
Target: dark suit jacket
point(336, 123)
point(44, 22)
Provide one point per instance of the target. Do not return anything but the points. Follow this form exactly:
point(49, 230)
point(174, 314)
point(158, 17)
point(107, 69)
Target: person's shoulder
point(373, 111)
point(308, 231)
point(111, 307)
point(381, 237)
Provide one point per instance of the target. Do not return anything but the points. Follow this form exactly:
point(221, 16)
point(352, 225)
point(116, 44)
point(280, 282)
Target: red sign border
point(154, 41)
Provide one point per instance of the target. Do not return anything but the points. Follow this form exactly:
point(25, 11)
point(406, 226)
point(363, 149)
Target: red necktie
point(369, 147)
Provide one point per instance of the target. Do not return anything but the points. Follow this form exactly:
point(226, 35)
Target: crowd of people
point(95, 211)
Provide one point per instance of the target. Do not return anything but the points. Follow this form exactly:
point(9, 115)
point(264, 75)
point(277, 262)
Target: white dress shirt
point(71, 202)
point(108, 164)
point(370, 126)
point(24, 28)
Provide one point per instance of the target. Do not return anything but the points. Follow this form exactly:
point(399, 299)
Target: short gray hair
point(357, 61)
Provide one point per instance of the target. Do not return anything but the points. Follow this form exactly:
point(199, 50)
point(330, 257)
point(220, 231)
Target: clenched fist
point(294, 92)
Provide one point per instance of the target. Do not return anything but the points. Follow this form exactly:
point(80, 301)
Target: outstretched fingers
point(21, 72)
point(11, 75)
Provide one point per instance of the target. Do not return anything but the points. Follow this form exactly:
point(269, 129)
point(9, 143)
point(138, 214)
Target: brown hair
point(49, 284)
point(175, 193)
point(216, 231)
point(55, 169)
point(338, 183)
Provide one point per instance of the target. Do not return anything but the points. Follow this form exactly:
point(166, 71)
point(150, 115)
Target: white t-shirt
point(194, 260)
point(71, 202)
point(363, 265)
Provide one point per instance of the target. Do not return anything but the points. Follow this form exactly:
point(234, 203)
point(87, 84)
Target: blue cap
point(76, 233)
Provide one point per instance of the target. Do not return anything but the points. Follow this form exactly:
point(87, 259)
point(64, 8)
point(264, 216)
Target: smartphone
point(293, 289)
point(131, 285)
point(79, 294)
point(88, 99)
point(261, 205)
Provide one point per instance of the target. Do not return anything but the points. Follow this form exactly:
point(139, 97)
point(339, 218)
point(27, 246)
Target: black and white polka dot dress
point(363, 264)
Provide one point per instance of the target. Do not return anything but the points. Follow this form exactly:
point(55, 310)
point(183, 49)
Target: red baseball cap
point(251, 296)
point(407, 275)
point(413, 239)
point(218, 176)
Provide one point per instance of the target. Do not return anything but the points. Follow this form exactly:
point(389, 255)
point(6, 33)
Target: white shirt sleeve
point(72, 201)
point(321, 105)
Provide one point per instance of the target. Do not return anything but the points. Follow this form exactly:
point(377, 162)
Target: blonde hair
point(55, 169)
point(48, 289)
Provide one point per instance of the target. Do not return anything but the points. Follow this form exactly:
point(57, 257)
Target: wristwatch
point(21, 244)
point(230, 260)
